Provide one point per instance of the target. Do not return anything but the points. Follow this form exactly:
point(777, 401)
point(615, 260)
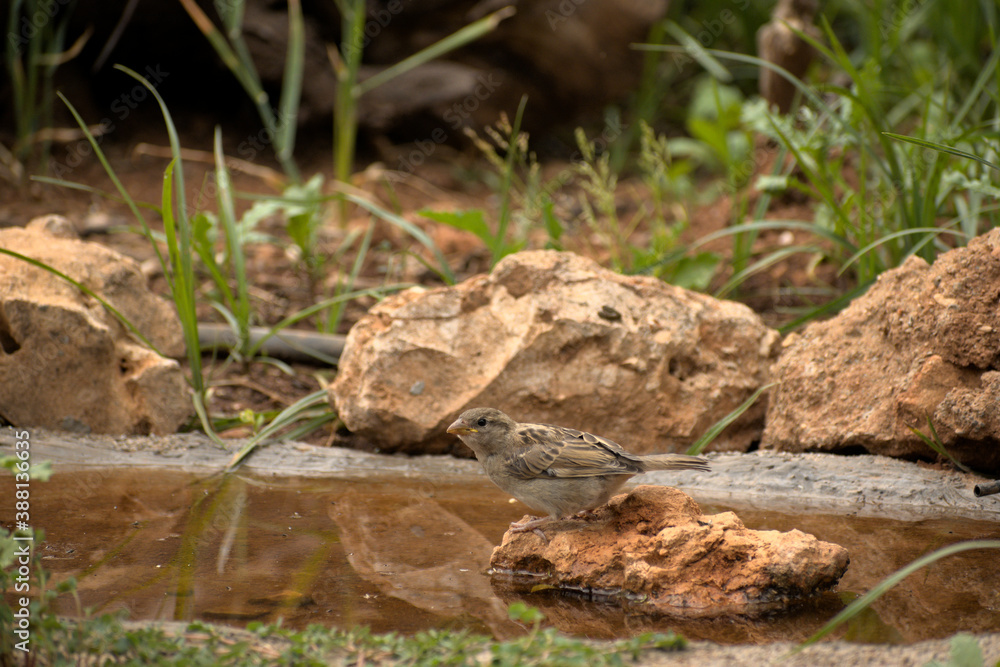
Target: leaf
point(300, 230)
point(472, 220)
point(695, 273)
point(553, 225)
point(519, 611)
point(42, 471)
point(965, 651)
point(542, 587)
point(204, 232)
point(772, 185)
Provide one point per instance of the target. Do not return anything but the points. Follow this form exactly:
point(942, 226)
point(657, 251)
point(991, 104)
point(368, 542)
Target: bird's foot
point(532, 525)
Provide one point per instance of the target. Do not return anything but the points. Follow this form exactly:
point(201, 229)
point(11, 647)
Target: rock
point(53, 225)
point(654, 548)
point(554, 338)
point(65, 361)
point(923, 342)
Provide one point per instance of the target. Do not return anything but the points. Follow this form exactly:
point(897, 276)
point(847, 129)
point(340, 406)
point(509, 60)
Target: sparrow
point(556, 470)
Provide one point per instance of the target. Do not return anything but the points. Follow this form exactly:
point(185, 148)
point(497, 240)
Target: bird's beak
point(461, 428)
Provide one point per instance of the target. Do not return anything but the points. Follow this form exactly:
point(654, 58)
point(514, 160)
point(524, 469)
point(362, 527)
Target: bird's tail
point(673, 462)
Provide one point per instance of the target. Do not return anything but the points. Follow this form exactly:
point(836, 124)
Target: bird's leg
point(532, 525)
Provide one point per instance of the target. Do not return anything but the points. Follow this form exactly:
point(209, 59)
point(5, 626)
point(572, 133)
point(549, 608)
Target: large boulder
point(68, 363)
point(923, 342)
point(653, 547)
point(553, 337)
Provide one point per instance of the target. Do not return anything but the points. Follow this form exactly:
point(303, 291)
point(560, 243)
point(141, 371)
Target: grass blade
point(718, 427)
point(126, 197)
point(505, 188)
point(761, 225)
point(291, 85)
point(86, 290)
point(930, 231)
point(763, 263)
point(457, 39)
point(182, 284)
point(236, 58)
point(828, 308)
point(934, 442)
point(443, 269)
point(285, 418)
point(697, 52)
point(234, 245)
point(923, 143)
point(177, 226)
point(346, 63)
point(333, 321)
point(886, 584)
point(318, 307)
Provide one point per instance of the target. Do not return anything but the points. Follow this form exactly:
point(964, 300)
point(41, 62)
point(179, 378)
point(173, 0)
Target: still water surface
point(412, 554)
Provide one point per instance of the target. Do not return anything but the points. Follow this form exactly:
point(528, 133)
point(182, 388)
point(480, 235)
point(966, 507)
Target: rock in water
point(654, 548)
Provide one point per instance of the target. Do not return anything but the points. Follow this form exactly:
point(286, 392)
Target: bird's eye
point(482, 421)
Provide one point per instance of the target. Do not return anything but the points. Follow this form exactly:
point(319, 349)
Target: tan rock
point(923, 342)
point(653, 547)
point(553, 337)
point(65, 361)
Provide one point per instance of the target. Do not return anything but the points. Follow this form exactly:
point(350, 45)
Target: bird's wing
point(555, 451)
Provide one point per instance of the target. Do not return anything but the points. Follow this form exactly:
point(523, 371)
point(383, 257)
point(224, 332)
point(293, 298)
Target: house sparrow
point(559, 471)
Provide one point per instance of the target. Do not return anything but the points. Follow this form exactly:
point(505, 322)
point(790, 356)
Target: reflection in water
point(411, 554)
point(422, 554)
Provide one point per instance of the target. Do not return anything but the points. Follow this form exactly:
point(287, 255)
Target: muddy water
point(409, 554)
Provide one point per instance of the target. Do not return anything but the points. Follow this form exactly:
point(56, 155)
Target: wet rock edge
point(865, 485)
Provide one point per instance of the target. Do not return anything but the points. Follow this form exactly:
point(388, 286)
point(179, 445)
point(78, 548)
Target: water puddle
point(409, 554)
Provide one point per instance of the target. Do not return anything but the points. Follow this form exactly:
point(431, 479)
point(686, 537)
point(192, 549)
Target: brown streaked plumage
point(557, 470)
